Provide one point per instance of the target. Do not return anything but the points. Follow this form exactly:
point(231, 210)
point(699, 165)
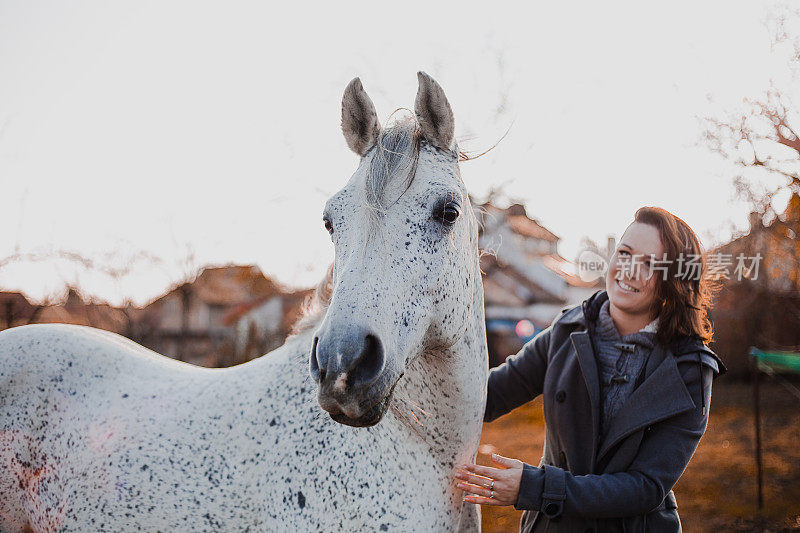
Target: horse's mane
point(315, 306)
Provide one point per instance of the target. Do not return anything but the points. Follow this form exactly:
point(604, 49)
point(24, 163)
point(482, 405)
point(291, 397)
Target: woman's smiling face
point(630, 280)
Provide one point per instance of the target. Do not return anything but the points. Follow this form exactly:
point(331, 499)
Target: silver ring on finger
point(491, 487)
point(491, 494)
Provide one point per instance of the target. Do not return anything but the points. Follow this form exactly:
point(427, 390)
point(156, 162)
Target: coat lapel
point(583, 347)
point(662, 394)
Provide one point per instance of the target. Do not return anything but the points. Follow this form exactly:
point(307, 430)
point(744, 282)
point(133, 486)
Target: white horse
point(101, 434)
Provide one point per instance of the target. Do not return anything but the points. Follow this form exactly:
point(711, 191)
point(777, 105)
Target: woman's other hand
point(491, 486)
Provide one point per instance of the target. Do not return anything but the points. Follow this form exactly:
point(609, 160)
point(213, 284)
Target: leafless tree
point(762, 139)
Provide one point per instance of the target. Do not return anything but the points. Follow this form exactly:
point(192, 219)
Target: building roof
point(566, 270)
point(518, 274)
point(778, 245)
point(18, 300)
point(77, 311)
point(506, 285)
point(516, 217)
point(21, 310)
point(292, 301)
point(232, 284)
point(528, 227)
point(227, 285)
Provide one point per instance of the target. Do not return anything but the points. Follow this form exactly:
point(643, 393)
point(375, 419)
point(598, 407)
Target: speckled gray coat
point(623, 483)
point(98, 433)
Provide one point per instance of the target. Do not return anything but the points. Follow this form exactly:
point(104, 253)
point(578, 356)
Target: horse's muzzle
point(348, 364)
point(370, 418)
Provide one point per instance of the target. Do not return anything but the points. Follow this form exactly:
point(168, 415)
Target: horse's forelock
point(395, 153)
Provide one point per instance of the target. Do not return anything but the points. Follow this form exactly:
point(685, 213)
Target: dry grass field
point(717, 492)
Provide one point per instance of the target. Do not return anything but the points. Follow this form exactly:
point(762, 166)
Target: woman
point(626, 382)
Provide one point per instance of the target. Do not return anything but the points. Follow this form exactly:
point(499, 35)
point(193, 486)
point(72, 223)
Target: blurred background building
point(761, 309)
point(525, 280)
point(224, 316)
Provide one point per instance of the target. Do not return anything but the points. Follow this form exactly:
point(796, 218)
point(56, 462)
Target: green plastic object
point(777, 360)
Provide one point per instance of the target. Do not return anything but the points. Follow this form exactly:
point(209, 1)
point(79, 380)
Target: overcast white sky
point(214, 126)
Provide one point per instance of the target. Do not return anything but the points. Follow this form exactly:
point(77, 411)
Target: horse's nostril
point(316, 374)
point(372, 346)
point(369, 363)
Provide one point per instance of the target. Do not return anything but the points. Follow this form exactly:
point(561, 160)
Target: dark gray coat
point(623, 483)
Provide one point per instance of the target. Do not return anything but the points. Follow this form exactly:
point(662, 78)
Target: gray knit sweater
point(619, 361)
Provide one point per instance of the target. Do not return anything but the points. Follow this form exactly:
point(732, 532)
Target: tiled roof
point(507, 276)
point(228, 285)
point(291, 300)
point(566, 270)
point(527, 227)
point(101, 316)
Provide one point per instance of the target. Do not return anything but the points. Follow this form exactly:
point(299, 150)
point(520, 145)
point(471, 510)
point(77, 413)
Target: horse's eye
point(328, 225)
point(449, 214)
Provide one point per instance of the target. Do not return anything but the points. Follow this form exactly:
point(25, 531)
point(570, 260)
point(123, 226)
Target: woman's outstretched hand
point(491, 486)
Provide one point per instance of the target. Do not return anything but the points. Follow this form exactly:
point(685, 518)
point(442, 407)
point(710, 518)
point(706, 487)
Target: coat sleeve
point(665, 451)
point(519, 379)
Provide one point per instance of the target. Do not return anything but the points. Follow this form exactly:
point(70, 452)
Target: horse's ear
point(359, 120)
point(434, 113)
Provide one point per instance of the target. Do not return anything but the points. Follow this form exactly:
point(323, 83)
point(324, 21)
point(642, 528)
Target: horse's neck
point(442, 395)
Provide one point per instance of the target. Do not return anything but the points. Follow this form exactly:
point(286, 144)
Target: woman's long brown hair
point(684, 299)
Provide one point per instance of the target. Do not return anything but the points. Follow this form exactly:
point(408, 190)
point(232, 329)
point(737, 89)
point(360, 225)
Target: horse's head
point(405, 240)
